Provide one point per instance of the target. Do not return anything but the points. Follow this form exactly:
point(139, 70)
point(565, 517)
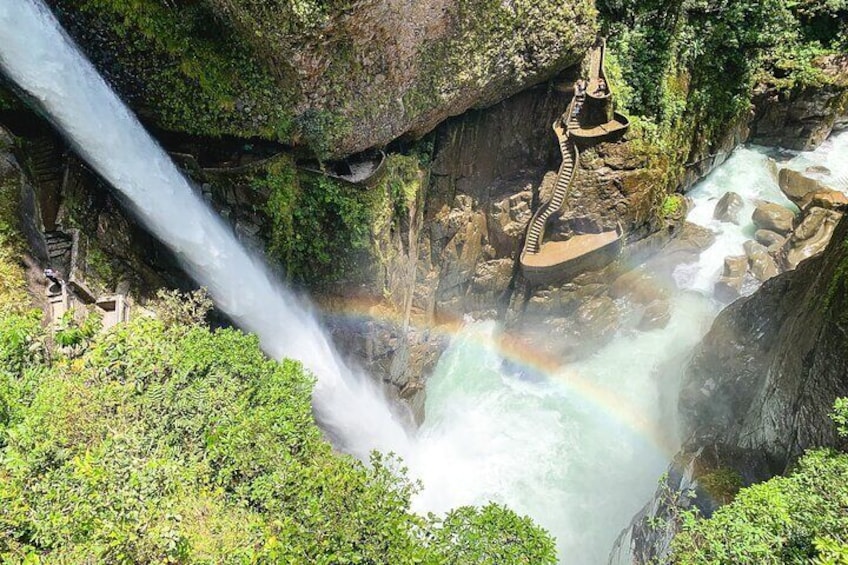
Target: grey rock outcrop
point(774, 217)
point(830, 199)
point(769, 238)
point(796, 185)
point(728, 207)
point(803, 118)
point(757, 394)
point(656, 315)
point(639, 287)
point(766, 374)
point(360, 73)
point(729, 285)
point(810, 237)
point(760, 261)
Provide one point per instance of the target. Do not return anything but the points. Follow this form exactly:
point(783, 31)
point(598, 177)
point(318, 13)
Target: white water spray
point(559, 449)
point(828, 162)
point(747, 173)
point(581, 451)
point(41, 59)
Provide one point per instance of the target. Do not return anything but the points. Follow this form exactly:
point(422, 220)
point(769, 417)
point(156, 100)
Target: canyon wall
point(338, 77)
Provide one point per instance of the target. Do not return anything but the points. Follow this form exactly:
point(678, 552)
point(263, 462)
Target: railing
point(565, 178)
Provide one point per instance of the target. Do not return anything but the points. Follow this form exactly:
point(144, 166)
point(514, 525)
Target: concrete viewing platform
point(560, 260)
point(602, 132)
point(556, 252)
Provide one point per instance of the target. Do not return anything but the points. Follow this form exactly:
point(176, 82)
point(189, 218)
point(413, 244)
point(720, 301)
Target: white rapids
point(578, 449)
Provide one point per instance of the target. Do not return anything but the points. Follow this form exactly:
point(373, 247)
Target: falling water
point(828, 163)
point(579, 449)
point(42, 60)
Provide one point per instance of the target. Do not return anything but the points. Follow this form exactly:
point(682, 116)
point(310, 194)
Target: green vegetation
point(491, 35)
point(840, 416)
point(194, 70)
point(795, 519)
point(672, 206)
point(13, 292)
point(721, 484)
point(685, 69)
point(175, 444)
point(320, 225)
point(799, 518)
point(307, 72)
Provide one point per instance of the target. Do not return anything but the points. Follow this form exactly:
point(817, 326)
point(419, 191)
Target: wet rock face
point(488, 170)
point(399, 358)
point(774, 217)
point(769, 238)
point(758, 392)
point(802, 119)
point(761, 263)
point(767, 373)
point(810, 237)
point(829, 199)
point(656, 315)
point(355, 74)
point(796, 185)
point(728, 207)
point(729, 285)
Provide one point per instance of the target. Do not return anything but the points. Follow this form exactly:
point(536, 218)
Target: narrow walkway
point(589, 118)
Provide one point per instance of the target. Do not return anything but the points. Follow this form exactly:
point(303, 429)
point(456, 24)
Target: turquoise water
point(580, 448)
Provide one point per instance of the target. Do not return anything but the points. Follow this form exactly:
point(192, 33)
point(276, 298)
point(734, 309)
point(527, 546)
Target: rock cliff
point(758, 391)
point(337, 76)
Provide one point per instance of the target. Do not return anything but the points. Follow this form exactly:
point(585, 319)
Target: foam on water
point(832, 155)
point(578, 449)
point(748, 173)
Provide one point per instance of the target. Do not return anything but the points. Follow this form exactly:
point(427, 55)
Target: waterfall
point(38, 56)
point(578, 448)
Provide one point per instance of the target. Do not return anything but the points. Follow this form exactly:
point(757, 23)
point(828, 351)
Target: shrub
point(179, 444)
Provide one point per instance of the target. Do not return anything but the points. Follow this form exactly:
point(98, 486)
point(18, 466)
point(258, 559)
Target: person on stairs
point(580, 88)
point(602, 87)
point(53, 277)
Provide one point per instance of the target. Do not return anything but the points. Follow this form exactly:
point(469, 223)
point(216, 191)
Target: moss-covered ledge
point(337, 76)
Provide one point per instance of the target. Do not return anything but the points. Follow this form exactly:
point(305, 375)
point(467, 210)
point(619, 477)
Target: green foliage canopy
point(176, 444)
point(799, 518)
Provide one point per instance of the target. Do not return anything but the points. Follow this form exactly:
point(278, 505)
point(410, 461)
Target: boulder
point(810, 237)
point(638, 286)
point(656, 316)
point(684, 247)
point(830, 199)
point(817, 170)
point(769, 238)
point(599, 317)
point(728, 207)
point(762, 264)
point(728, 287)
point(774, 217)
point(735, 266)
point(346, 75)
point(796, 185)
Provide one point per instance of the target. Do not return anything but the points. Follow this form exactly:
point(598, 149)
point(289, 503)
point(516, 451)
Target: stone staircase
point(565, 178)
point(59, 250)
point(48, 170)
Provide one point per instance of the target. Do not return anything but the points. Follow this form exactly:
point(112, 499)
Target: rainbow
point(522, 354)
